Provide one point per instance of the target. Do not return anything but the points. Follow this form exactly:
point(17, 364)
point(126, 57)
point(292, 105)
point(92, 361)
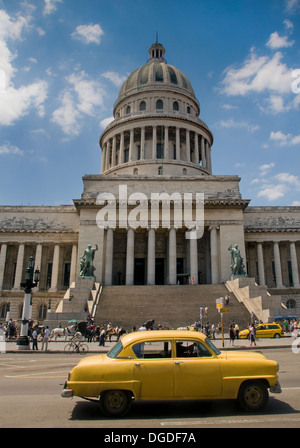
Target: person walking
point(237, 330)
point(252, 335)
point(34, 339)
point(231, 334)
point(46, 338)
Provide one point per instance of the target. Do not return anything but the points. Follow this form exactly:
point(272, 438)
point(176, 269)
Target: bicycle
point(76, 347)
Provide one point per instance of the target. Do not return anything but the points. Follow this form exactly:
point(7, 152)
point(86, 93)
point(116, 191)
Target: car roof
point(161, 334)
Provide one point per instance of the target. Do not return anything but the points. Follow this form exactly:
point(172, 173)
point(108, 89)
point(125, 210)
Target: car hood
point(228, 354)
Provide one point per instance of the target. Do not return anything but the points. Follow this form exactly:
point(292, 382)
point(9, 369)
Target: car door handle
point(137, 363)
point(178, 362)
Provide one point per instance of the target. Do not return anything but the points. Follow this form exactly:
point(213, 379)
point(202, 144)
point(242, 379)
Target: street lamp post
point(31, 280)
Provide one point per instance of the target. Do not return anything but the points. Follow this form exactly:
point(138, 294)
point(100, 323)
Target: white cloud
point(258, 74)
point(8, 148)
point(16, 102)
point(292, 5)
point(273, 192)
point(84, 97)
point(67, 115)
point(264, 169)
point(115, 78)
point(284, 139)
point(88, 33)
point(275, 41)
point(231, 123)
point(106, 122)
point(50, 6)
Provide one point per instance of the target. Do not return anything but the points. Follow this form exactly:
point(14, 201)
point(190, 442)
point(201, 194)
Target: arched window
point(184, 171)
point(175, 105)
point(160, 170)
point(188, 110)
point(128, 110)
point(291, 303)
point(142, 105)
point(159, 104)
point(42, 311)
point(135, 171)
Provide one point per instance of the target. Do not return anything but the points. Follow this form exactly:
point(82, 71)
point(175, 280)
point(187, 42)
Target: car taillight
point(69, 375)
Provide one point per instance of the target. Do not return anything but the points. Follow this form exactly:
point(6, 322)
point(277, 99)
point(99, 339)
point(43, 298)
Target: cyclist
point(77, 338)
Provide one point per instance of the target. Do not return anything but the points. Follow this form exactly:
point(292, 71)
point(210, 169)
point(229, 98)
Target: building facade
point(156, 163)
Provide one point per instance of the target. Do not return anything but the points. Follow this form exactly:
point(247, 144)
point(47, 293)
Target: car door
point(153, 370)
point(197, 373)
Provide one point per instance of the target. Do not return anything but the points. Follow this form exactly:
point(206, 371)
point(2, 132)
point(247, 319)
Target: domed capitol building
point(138, 215)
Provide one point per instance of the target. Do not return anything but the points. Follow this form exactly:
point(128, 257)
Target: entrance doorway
point(139, 271)
point(159, 271)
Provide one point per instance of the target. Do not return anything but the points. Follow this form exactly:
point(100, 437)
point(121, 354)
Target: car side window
point(153, 349)
point(191, 349)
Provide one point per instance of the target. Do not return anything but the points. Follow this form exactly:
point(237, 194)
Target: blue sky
point(62, 63)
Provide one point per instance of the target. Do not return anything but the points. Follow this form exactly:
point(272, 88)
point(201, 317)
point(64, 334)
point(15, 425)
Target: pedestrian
point(213, 330)
point(231, 334)
point(34, 339)
point(46, 338)
point(237, 330)
point(252, 334)
point(102, 337)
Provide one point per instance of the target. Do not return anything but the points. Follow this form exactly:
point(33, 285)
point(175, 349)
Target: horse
point(118, 332)
point(56, 332)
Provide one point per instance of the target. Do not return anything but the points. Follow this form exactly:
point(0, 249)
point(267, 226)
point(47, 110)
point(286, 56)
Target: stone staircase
point(171, 306)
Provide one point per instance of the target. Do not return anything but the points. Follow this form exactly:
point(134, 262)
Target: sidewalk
point(94, 348)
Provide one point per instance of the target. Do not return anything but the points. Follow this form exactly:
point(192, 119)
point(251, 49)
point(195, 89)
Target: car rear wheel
point(115, 403)
point(277, 335)
point(253, 396)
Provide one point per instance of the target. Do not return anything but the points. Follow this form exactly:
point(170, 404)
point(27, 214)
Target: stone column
point(151, 258)
point(19, 267)
point(130, 257)
point(55, 266)
point(38, 259)
point(114, 151)
point(109, 256)
point(142, 143)
point(122, 147)
point(154, 141)
point(172, 257)
point(196, 149)
point(73, 264)
point(2, 264)
point(103, 157)
point(277, 264)
point(214, 255)
point(203, 159)
point(194, 260)
point(177, 143)
point(187, 145)
point(260, 262)
point(294, 263)
point(131, 145)
point(166, 146)
point(108, 147)
point(208, 159)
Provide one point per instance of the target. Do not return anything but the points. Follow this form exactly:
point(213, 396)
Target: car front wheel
point(115, 403)
point(253, 396)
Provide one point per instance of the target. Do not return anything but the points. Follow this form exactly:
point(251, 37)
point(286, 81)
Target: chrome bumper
point(67, 393)
point(276, 389)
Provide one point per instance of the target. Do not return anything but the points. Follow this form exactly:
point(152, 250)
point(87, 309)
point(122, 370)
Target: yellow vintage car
point(264, 330)
point(171, 365)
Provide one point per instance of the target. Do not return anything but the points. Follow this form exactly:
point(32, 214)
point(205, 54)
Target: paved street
point(31, 383)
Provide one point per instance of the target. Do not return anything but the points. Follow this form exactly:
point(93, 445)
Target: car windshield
point(212, 347)
point(113, 353)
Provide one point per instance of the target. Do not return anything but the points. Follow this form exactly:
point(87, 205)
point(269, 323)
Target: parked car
point(264, 330)
point(172, 365)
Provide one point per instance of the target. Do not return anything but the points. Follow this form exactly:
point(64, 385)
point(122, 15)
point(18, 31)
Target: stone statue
point(86, 262)
point(237, 265)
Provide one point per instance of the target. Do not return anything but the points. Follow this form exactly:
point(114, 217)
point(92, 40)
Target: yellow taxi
point(171, 365)
point(264, 330)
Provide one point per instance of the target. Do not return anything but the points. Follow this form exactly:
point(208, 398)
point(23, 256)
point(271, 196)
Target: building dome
point(156, 129)
point(156, 74)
